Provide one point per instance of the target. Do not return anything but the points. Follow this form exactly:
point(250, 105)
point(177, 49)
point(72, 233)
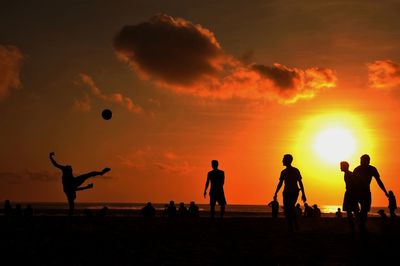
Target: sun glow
point(335, 144)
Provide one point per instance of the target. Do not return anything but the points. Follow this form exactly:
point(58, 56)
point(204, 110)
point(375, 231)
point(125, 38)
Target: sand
point(133, 240)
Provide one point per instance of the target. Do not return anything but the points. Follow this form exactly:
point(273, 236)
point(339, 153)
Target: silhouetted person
point(7, 208)
point(299, 211)
point(18, 210)
point(308, 211)
point(193, 210)
point(350, 204)
point(382, 213)
point(182, 210)
point(316, 211)
point(71, 184)
point(148, 210)
point(291, 177)
point(171, 209)
point(362, 176)
point(392, 204)
point(274, 204)
point(28, 211)
point(338, 213)
point(217, 179)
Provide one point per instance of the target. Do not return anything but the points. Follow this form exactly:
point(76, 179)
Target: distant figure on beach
point(18, 210)
point(193, 210)
point(338, 213)
point(299, 211)
point(292, 178)
point(382, 213)
point(148, 210)
point(171, 209)
point(316, 211)
point(308, 210)
point(350, 204)
point(274, 204)
point(217, 179)
point(392, 204)
point(103, 212)
point(7, 208)
point(362, 176)
point(71, 184)
point(182, 210)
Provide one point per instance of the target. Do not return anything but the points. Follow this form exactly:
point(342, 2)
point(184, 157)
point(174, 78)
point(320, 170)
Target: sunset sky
point(192, 81)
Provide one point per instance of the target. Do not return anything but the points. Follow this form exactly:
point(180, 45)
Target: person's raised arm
point(53, 161)
point(303, 194)
point(206, 187)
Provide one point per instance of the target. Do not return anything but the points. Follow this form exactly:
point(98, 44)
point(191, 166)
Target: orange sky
point(189, 83)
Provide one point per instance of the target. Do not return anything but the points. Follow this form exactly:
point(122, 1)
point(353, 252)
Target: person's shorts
point(364, 198)
point(217, 197)
point(350, 202)
point(289, 200)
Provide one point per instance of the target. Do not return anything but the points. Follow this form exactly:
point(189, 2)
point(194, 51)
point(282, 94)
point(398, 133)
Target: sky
point(192, 81)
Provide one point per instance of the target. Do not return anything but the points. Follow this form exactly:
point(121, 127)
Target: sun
point(335, 144)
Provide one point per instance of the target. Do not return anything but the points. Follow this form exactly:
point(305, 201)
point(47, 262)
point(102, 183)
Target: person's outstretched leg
point(79, 180)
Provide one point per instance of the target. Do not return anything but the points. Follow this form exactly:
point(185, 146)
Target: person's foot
point(105, 170)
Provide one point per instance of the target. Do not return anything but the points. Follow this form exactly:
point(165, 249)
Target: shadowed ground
point(112, 240)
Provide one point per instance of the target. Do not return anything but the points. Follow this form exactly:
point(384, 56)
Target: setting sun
point(335, 144)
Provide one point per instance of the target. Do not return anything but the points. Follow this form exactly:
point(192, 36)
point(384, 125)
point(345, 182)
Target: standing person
point(274, 204)
point(362, 176)
point(71, 184)
point(292, 178)
point(217, 179)
point(350, 204)
point(392, 204)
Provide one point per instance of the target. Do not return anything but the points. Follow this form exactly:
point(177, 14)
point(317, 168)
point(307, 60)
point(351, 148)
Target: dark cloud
point(170, 49)
point(18, 177)
point(10, 66)
point(186, 58)
point(118, 98)
point(384, 74)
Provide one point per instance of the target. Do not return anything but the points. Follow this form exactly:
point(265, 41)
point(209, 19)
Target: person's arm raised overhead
point(53, 161)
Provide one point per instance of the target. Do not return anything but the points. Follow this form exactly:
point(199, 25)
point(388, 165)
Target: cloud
point(18, 177)
point(182, 168)
point(10, 65)
point(384, 74)
point(144, 159)
point(117, 98)
point(184, 57)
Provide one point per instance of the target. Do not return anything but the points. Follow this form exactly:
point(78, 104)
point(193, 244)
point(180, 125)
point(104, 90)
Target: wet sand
point(236, 240)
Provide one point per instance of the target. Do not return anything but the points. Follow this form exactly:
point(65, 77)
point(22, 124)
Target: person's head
point(192, 203)
point(171, 203)
point(338, 209)
point(149, 203)
point(315, 206)
point(182, 204)
point(297, 205)
point(214, 164)
point(305, 204)
point(365, 160)
point(287, 159)
point(344, 166)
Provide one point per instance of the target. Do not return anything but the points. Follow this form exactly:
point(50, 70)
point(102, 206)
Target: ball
point(106, 114)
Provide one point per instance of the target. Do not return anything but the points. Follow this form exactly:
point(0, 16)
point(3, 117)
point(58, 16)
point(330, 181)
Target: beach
point(235, 240)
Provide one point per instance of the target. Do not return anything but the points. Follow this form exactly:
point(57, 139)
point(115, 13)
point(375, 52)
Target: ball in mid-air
point(106, 114)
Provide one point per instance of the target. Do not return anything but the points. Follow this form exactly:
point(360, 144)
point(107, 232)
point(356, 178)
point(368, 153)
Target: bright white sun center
point(334, 144)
